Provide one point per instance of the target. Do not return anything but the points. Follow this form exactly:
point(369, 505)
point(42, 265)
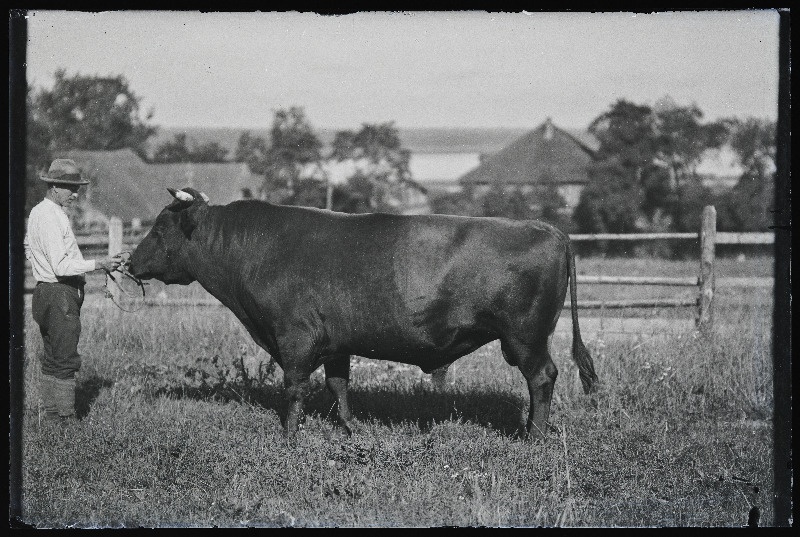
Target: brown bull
point(314, 287)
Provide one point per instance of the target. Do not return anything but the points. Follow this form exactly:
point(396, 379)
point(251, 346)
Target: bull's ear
point(187, 220)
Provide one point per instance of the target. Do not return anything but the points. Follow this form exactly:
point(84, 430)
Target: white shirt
point(50, 244)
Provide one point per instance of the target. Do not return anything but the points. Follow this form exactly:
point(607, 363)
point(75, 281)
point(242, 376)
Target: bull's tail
point(580, 354)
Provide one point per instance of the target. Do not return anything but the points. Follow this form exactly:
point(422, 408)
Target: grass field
point(181, 426)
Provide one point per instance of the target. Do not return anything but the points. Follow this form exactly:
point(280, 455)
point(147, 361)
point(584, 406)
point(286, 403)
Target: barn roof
point(123, 185)
point(545, 155)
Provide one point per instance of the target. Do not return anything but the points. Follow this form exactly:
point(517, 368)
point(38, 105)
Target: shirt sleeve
point(27, 244)
point(50, 233)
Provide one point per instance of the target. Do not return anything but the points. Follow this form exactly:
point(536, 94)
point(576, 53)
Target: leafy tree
point(381, 165)
point(753, 140)
point(253, 151)
point(182, 150)
point(644, 175)
point(550, 207)
point(37, 153)
point(173, 151)
point(293, 147)
point(508, 204)
point(681, 140)
point(91, 112)
point(748, 207)
point(627, 133)
point(610, 202)
point(209, 152)
point(379, 145)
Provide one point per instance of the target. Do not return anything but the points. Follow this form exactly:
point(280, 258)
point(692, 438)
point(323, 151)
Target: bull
point(313, 287)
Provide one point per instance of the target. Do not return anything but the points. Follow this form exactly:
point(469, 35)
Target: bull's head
point(159, 254)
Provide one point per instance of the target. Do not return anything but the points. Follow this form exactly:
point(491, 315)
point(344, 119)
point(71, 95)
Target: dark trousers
point(56, 308)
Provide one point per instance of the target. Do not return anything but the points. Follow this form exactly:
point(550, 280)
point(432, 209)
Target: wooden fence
point(705, 281)
point(117, 241)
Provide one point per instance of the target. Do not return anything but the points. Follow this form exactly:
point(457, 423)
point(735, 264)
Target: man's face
point(65, 194)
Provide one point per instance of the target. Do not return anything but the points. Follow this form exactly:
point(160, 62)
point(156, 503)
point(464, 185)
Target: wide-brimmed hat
point(64, 171)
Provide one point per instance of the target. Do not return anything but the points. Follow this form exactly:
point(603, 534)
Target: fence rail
point(639, 280)
point(722, 237)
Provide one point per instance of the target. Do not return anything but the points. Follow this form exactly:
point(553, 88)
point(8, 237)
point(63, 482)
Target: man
point(59, 269)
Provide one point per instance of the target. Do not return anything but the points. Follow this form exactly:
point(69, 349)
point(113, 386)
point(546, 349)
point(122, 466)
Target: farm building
point(545, 156)
point(122, 184)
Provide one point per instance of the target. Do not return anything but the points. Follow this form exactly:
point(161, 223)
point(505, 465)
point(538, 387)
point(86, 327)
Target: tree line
point(643, 176)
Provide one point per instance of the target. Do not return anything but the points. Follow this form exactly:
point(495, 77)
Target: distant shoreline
point(417, 139)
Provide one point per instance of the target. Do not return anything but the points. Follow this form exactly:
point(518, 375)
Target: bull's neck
point(208, 259)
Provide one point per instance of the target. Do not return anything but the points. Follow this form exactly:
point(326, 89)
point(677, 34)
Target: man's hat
point(64, 171)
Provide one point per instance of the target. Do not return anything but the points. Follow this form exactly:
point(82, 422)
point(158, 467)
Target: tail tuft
point(585, 367)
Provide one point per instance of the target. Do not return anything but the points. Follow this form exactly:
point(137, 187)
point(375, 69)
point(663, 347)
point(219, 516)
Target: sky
point(416, 69)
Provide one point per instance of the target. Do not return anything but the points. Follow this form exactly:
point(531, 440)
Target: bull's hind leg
point(540, 372)
point(439, 377)
point(337, 377)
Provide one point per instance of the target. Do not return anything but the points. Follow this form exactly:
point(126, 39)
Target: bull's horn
point(204, 197)
point(183, 196)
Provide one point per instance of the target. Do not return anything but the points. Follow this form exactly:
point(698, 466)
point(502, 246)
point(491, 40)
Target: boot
point(47, 391)
point(65, 397)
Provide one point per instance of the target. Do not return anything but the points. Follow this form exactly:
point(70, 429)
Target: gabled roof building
point(547, 155)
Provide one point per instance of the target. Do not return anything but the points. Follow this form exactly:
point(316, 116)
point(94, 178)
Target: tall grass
point(181, 426)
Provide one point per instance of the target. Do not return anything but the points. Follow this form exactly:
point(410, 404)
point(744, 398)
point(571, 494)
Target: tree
point(252, 150)
point(753, 140)
point(551, 206)
point(209, 152)
point(381, 162)
point(37, 153)
point(681, 140)
point(610, 202)
point(172, 151)
point(748, 207)
point(645, 168)
point(379, 146)
point(509, 204)
point(91, 112)
point(180, 149)
point(294, 146)
point(627, 133)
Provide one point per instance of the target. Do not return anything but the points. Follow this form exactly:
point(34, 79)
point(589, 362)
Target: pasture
point(181, 426)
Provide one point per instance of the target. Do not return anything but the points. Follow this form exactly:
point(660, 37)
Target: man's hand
point(124, 257)
point(110, 263)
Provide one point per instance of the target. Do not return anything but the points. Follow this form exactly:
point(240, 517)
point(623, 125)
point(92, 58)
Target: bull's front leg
point(337, 378)
point(297, 384)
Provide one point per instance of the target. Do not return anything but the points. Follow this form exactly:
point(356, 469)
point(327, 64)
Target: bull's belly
point(424, 354)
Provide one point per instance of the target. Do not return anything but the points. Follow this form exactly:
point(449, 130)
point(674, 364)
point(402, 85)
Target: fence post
point(708, 239)
point(114, 246)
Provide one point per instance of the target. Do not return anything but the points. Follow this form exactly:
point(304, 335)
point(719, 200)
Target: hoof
point(337, 434)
